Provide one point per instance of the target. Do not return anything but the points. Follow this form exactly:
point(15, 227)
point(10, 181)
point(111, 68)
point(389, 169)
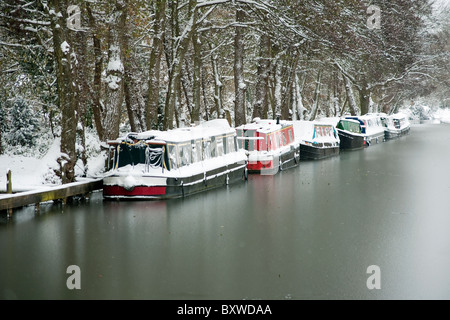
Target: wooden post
point(8, 182)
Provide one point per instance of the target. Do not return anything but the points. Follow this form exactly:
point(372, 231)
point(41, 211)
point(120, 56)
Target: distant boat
point(174, 163)
point(396, 125)
point(270, 145)
point(350, 135)
point(372, 127)
point(318, 140)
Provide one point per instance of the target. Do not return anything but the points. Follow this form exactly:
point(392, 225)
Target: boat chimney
point(278, 119)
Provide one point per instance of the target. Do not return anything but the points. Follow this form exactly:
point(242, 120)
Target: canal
point(307, 233)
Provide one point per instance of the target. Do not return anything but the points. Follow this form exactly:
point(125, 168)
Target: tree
point(66, 64)
point(23, 124)
point(239, 82)
point(152, 104)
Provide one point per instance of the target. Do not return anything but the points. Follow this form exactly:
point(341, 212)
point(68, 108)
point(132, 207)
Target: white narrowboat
point(174, 163)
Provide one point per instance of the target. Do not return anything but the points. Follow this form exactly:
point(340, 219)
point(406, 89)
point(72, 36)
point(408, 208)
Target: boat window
point(276, 140)
point(131, 154)
point(213, 147)
point(154, 156)
point(240, 134)
point(219, 148)
point(173, 156)
point(185, 153)
point(206, 149)
point(290, 136)
point(317, 131)
point(230, 144)
point(283, 134)
point(249, 144)
point(194, 152)
point(198, 150)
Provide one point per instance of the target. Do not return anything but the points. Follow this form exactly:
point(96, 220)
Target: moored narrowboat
point(175, 163)
point(350, 136)
point(396, 125)
point(318, 140)
point(372, 127)
point(270, 145)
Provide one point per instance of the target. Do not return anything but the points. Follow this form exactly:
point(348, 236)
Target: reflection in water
point(306, 233)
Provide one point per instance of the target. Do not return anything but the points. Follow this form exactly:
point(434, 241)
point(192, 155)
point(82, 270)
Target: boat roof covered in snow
point(315, 130)
point(265, 125)
point(204, 130)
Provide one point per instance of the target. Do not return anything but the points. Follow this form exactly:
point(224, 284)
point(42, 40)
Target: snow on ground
point(30, 173)
point(443, 115)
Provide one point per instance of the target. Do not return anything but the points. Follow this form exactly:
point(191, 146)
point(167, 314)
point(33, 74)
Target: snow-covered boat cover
point(315, 132)
point(205, 129)
point(264, 125)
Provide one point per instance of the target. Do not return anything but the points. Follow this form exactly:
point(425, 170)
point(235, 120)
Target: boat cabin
point(270, 144)
point(166, 164)
point(265, 135)
point(318, 140)
point(349, 125)
point(172, 150)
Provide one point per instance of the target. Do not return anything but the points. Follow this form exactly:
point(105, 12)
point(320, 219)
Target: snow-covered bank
point(33, 172)
point(443, 115)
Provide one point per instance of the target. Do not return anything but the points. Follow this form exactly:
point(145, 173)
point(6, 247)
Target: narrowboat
point(175, 163)
point(372, 127)
point(350, 136)
point(396, 125)
point(270, 145)
point(318, 140)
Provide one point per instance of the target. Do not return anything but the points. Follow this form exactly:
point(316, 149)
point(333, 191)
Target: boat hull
point(308, 152)
point(349, 141)
point(397, 133)
point(275, 163)
point(375, 138)
point(175, 187)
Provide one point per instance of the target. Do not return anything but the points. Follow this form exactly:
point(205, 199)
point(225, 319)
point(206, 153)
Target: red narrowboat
point(270, 145)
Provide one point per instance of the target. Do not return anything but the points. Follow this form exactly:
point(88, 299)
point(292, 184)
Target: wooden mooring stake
point(8, 182)
point(9, 190)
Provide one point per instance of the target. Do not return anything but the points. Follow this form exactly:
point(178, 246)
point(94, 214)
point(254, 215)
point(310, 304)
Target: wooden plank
point(52, 193)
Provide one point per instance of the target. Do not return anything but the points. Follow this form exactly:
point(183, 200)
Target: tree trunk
point(315, 106)
point(299, 108)
point(260, 107)
point(350, 96)
point(196, 85)
point(97, 107)
point(66, 89)
point(217, 87)
point(277, 90)
point(114, 81)
point(152, 106)
point(205, 100)
point(239, 83)
point(180, 47)
point(289, 85)
point(364, 99)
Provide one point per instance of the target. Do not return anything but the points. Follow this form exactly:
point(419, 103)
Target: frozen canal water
point(307, 233)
